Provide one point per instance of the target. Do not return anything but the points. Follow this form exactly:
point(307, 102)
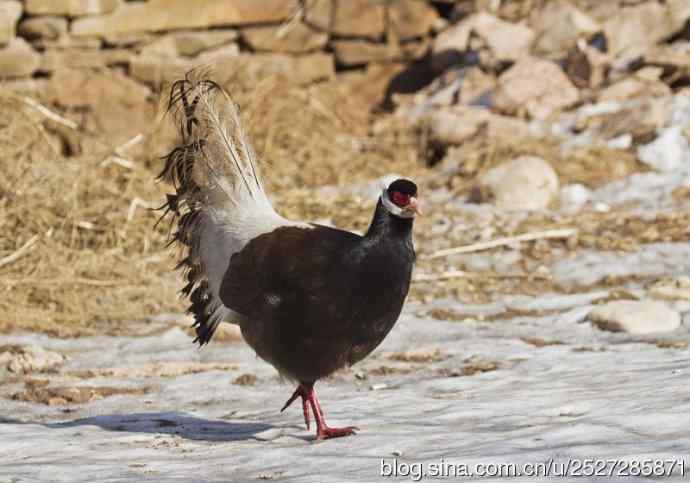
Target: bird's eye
point(400, 199)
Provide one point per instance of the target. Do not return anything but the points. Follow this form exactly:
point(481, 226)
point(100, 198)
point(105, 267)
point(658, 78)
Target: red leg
point(308, 395)
point(300, 392)
point(305, 411)
point(318, 404)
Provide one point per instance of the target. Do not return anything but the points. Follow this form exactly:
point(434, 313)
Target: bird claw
point(295, 395)
point(299, 392)
point(328, 433)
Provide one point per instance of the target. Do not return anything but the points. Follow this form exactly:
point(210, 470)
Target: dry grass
point(321, 135)
point(96, 263)
point(79, 253)
point(97, 258)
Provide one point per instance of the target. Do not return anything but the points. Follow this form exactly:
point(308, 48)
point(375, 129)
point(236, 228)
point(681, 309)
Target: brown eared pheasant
point(309, 299)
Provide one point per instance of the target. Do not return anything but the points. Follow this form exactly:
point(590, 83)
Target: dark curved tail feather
point(184, 206)
point(219, 202)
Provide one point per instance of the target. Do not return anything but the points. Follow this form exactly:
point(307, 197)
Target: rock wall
point(155, 39)
point(519, 59)
point(310, 40)
point(95, 60)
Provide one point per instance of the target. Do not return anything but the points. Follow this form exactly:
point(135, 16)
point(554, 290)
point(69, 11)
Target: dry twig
point(123, 148)
point(50, 114)
point(451, 274)
point(137, 202)
point(23, 250)
point(119, 155)
point(476, 247)
point(64, 281)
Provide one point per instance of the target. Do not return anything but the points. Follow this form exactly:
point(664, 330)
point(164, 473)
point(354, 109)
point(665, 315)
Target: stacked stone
point(157, 39)
point(17, 58)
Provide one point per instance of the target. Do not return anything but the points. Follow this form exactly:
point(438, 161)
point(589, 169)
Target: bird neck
point(384, 225)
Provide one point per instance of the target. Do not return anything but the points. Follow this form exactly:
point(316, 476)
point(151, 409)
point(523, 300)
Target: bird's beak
point(415, 206)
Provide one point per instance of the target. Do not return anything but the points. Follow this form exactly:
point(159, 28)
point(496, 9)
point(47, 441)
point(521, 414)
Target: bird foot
point(328, 432)
point(310, 401)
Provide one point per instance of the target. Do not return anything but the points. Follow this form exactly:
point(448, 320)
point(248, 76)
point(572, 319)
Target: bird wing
point(289, 269)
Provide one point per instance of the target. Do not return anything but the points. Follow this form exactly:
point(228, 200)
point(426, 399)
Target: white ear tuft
point(387, 179)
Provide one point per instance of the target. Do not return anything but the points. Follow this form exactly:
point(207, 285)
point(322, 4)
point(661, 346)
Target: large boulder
point(112, 102)
point(635, 29)
point(303, 69)
point(408, 19)
point(352, 18)
point(9, 16)
point(45, 27)
point(72, 8)
point(190, 43)
point(55, 59)
point(156, 15)
point(559, 26)
point(459, 124)
point(537, 87)
point(524, 183)
point(507, 41)
point(77, 88)
point(357, 52)
point(291, 39)
point(635, 317)
point(18, 59)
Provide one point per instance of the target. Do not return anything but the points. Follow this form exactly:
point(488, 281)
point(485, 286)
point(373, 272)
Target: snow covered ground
point(518, 389)
point(520, 380)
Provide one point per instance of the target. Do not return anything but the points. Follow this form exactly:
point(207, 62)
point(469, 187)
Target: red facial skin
point(400, 199)
point(403, 200)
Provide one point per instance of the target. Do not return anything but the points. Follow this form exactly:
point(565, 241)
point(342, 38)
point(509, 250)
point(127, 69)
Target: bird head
point(400, 198)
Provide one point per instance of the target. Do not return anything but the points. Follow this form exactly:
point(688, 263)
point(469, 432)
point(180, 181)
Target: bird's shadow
point(174, 423)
